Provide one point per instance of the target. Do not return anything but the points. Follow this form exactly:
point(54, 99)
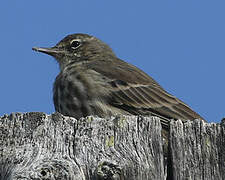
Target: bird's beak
point(53, 51)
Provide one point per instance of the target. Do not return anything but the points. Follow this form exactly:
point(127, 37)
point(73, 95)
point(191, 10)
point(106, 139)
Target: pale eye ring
point(74, 44)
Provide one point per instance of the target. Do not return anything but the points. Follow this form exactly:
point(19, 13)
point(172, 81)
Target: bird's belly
point(71, 98)
point(81, 95)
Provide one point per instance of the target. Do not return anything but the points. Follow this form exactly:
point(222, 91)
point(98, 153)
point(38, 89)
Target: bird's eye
point(75, 44)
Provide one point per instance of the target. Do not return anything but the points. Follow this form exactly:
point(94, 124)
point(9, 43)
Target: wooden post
point(36, 145)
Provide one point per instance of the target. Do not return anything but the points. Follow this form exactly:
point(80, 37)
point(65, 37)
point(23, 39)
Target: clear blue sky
point(181, 44)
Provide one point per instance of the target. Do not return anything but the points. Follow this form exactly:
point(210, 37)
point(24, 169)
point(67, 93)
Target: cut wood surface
point(40, 146)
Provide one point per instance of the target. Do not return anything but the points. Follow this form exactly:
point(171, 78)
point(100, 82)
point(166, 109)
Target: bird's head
point(78, 48)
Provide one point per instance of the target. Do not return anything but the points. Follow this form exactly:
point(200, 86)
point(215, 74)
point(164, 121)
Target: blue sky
point(179, 43)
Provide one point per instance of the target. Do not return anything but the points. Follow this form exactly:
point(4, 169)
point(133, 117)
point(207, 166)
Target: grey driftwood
point(40, 146)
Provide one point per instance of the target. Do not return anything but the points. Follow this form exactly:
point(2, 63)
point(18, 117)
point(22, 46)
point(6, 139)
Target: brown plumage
point(93, 81)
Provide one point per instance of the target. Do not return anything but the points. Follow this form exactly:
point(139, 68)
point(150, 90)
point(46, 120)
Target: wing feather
point(134, 91)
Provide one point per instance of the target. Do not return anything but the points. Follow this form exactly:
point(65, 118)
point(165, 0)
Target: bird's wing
point(146, 99)
point(134, 91)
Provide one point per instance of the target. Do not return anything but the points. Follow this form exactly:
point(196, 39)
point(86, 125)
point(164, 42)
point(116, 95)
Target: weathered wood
point(36, 145)
point(40, 146)
point(197, 150)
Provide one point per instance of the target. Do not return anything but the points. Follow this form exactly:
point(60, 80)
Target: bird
point(94, 81)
